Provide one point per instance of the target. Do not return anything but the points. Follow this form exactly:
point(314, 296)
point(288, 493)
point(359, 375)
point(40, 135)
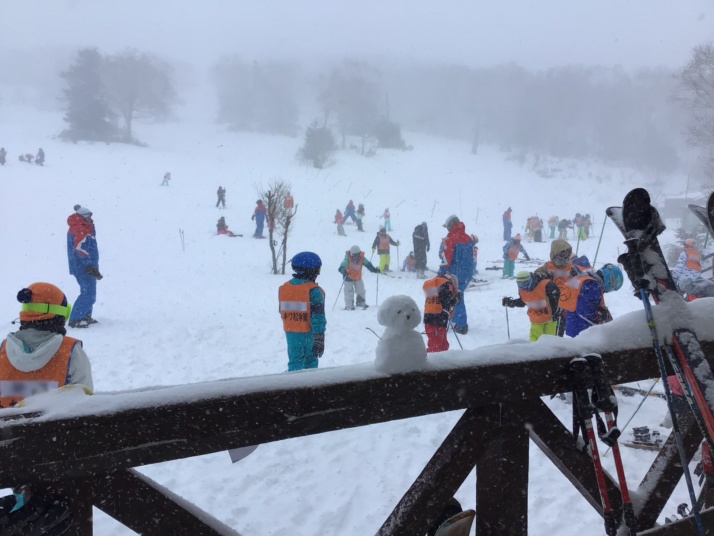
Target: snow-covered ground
point(174, 316)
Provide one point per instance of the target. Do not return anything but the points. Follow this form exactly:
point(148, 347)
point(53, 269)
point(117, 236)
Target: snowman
point(401, 348)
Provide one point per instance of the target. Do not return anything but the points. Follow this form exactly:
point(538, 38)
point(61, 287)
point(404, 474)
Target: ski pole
point(377, 293)
point(398, 265)
point(577, 246)
point(585, 410)
point(338, 294)
point(645, 397)
point(607, 403)
point(508, 326)
point(599, 240)
point(670, 405)
point(454, 332)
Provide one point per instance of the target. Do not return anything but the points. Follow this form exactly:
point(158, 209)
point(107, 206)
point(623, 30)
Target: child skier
point(360, 216)
point(441, 295)
point(259, 217)
point(302, 308)
point(381, 243)
point(351, 270)
point(540, 294)
point(340, 220)
point(387, 220)
point(510, 254)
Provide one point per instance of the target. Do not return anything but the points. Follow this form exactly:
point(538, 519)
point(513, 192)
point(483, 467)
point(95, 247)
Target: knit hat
point(517, 237)
point(41, 301)
point(83, 211)
point(689, 242)
point(523, 279)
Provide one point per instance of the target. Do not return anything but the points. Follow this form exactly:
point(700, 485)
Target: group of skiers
point(534, 227)
point(566, 294)
point(38, 159)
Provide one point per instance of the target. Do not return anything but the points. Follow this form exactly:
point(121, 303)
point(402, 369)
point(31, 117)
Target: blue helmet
point(305, 259)
point(612, 277)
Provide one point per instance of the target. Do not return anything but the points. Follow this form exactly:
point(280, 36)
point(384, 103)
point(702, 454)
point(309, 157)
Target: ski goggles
point(48, 308)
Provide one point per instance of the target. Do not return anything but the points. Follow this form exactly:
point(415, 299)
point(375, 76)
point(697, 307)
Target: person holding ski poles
point(540, 294)
point(302, 309)
point(351, 270)
point(561, 269)
point(459, 261)
point(381, 243)
point(441, 294)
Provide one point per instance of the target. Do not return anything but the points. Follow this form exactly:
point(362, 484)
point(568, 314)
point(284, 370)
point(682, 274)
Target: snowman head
point(399, 312)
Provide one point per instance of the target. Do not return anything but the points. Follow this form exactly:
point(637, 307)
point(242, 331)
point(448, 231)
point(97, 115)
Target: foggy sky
point(534, 33)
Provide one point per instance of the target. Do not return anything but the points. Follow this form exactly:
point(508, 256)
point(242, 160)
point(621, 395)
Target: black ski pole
point(585, 410)
point(508, 325)
point(670, 405)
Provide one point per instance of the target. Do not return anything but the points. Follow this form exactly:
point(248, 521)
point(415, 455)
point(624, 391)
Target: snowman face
point(400, 313)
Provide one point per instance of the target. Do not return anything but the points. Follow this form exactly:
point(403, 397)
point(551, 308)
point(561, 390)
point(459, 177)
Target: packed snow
point(180, 305)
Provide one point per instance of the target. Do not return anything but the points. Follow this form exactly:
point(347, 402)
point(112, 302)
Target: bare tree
point(138, 85)
point(280, 214)
point(351, 91)
point(697, 91)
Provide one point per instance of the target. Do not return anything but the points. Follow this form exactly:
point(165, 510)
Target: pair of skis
point(586, 372)
point(647, 269)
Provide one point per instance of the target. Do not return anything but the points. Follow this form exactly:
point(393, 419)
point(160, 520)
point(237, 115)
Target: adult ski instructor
point(459, 261)
point(83, 256)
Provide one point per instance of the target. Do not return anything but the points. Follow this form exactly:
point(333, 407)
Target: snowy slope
point(170, 317)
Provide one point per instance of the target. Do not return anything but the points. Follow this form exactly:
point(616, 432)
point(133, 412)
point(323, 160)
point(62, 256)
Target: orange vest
point(693, 259)
point(354, 269)
point(574, 284)
point(16, 385)
point(383, 242)
point(295, 306)
point(561, 276)
point(537, 301)
point(431, 290)
point(513, 250)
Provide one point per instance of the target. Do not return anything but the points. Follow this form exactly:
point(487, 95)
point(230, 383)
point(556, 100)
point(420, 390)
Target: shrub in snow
point(401, 348)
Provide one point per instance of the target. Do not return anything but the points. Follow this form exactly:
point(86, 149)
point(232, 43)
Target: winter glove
point(507, 302)
point(318, 347)
point(398, 243)
point(377, 271)
point(252, 217)
point(527, 257)
point(92, 270)
point(427, 249)
point(342, 271)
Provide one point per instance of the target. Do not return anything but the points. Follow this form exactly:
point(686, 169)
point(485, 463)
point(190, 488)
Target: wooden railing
point(87, 454)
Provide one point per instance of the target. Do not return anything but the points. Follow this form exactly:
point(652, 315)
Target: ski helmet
point(450, 221)
point(612, 277)
point(305, 259)
point(355, 250)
